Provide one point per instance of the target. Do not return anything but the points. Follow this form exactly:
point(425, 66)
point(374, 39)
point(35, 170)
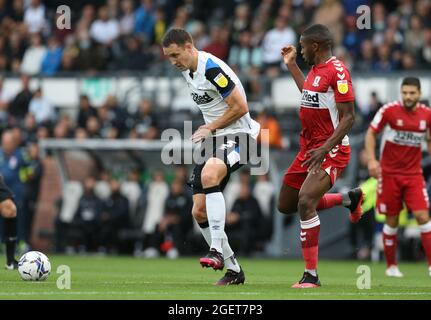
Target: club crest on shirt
point(342, 86)
point(422, 125)
point(221, 80)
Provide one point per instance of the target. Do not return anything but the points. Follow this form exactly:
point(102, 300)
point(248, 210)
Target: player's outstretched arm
point(370, 149)
point(289, 57)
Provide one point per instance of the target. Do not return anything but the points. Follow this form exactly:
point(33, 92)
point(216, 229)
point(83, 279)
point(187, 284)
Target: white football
point(34, 266)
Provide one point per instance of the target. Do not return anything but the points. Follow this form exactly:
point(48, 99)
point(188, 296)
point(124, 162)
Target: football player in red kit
point(326, 114)
point(399, 172)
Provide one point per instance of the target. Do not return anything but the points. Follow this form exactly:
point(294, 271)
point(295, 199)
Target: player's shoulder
point(393, 105)
point(423, 107)
point(336, 65)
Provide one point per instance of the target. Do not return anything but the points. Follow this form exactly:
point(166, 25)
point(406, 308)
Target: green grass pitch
point(162, 279)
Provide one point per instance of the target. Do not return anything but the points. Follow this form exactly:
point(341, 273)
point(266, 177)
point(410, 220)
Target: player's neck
point(323, 57)
point(194, 65)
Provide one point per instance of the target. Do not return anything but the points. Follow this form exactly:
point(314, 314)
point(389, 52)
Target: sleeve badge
point(221, 80)
point(342, 86)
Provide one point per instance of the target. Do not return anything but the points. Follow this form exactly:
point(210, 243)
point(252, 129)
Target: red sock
point(390, 245)
point(310, 242)
point(426, 240)
point(330, 200)
point(426, 243)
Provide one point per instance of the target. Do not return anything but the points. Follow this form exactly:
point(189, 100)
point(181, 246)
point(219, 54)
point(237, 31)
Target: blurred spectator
point(145, 122)
point(366, 61)
point(33, 178)
point(5, 99)
point(33, 56)
point(426, 50)
point(86, 110)
point(176, 222)
point(384, 62)
point(85, 223)
point(156, 195)
point(127, 19)
point(330, 14)
point(244, 56)
point(268, 122)
point(52, 61)
point(275, 39)
point(144, 20)
point(414, 38)
point(241, 22)
point(19, 105)
point(370, 110)
point(264, 192)
point(244, 221)
point(105, 30)
point(114, 217)
point(41, 108)
point(30, 128)
point(218, 44)
point(34, 17)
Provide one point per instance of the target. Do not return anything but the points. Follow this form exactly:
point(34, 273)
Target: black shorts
point(234, 149)
point(5, 193)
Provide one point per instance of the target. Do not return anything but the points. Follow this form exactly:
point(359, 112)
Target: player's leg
point(390, 246)
point(423, 219)
point(312, 190)
point(293, 180)
point(416, 198)
point(8, 211)
point(288, 199)
point(390, 203)
point(199, 213)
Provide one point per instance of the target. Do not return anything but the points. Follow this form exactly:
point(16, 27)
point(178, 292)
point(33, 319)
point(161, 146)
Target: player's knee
point(199, 214)
point(422, 218)
point(305, 203)
point(8, 209)
point(209, 179)
point(286, 208)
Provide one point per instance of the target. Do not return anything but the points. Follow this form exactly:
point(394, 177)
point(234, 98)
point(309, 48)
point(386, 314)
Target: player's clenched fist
point(373, 168)
point(289, 54)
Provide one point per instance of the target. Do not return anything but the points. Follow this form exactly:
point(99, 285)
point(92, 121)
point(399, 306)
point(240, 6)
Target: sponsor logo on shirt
point(201, 99)
point(310, 99)
point(408, 138)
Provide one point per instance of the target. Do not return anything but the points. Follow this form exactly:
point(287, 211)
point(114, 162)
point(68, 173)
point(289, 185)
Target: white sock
point(228, 254)
point(313, 272)
point(216, 212)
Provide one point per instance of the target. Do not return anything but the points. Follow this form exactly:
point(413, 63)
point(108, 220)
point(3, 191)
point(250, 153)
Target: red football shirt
point(404, 132)
point(326, 84)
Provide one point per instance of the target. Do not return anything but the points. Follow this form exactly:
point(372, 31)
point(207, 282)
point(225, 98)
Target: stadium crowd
point(124, 35)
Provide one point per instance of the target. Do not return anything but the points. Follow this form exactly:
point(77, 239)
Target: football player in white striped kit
point(228, 140)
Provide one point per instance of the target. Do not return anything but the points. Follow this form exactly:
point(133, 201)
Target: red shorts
point(393, 190)
point(333, 164)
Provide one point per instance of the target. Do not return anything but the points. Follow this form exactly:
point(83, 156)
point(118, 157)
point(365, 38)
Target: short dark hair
point(411, 81)
point(318, 33)
point(176, 36)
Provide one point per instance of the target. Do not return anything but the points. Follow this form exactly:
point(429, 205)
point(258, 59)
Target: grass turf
point(183, 279)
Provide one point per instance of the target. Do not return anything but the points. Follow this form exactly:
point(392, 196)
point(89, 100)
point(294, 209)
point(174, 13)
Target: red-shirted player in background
point(399, 172)
point(326, 114)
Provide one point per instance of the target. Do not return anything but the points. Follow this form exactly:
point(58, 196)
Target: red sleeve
point(341, 84)
point(380, 120)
